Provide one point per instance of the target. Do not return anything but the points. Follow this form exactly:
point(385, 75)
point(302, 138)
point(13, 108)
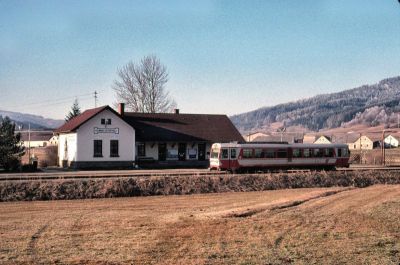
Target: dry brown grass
point(300, 226)
point(32, 190)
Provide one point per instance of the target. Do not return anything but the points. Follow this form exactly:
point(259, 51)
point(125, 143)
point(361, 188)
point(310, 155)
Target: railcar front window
point(214, 153)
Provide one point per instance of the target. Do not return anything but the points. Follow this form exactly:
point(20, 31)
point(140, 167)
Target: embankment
point(148, 186)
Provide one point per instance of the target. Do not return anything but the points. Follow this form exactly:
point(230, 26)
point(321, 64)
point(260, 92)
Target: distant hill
point(36, 122)
point(369, 104)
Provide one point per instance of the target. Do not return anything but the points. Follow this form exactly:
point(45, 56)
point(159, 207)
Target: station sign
point(97, 130)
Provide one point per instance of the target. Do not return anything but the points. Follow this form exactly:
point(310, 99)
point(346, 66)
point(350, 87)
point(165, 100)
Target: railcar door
point(232, 157)
point(225, 161)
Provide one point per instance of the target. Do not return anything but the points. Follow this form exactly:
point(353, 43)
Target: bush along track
point(176, 185)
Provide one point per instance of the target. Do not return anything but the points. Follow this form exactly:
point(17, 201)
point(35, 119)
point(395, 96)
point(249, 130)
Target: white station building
point(104, 138)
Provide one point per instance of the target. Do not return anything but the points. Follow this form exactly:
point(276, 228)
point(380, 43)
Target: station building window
point(141, 149)
point(97, 148)
point(114, 148)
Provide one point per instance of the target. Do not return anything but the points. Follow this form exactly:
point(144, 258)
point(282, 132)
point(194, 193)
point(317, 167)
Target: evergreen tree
point(75, 111)
point(11, 148)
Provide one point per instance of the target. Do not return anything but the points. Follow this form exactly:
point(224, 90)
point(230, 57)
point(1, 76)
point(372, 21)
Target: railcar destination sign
point(105, 130)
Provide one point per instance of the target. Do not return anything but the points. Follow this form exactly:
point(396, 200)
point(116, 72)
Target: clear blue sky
point(222, 56)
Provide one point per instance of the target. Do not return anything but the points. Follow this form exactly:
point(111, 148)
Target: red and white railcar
point(238, 157)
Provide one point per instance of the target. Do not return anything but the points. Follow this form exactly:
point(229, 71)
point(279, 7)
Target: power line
point(50, 102)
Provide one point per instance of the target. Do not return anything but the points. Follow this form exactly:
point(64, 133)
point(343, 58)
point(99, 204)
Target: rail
point(120, 174)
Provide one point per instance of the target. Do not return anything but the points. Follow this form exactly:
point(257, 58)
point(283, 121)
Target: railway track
point(70, 175)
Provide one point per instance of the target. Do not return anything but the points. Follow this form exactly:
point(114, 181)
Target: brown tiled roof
point(36, 136)
point(76, 122)
point(182, 127)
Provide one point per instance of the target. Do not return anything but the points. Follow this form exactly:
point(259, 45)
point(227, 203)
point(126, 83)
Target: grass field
point(299, 226)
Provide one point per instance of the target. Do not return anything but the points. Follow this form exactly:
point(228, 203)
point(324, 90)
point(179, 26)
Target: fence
point(374, 157)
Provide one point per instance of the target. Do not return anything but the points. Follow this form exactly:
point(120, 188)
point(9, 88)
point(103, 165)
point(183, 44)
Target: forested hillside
point(371, 104)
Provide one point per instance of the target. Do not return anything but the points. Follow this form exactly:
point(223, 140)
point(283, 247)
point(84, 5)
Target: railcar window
point(214, 153)
point(345, 152)
point(247, 153)
point(328, 152)
point(281, 154)
point(269, 153)
point(306, 152)
point(339, 152)
point(258, 153)
point(224, 153)
point(233, 153)
point(318, 152)
point(296, 153)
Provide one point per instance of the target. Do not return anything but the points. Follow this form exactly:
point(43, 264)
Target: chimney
point(121, 109)
point(176, 111)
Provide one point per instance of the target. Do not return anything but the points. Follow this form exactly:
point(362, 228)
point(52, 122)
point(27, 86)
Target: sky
point(224, 57)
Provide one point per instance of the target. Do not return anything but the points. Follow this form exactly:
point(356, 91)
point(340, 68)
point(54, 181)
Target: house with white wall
point(34, 139)
point(97, 138)
point(391, 141)
point(365, 142)
point(323, 139)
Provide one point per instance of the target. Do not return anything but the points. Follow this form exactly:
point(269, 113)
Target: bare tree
point(142, 86)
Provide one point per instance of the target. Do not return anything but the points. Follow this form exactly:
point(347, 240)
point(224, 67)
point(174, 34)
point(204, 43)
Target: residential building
point(391, 141)
point(252, 136)
point(323, 139)
point(365, 142)
point(34, 139)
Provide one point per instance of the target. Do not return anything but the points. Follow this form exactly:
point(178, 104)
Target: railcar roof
point(280, 145)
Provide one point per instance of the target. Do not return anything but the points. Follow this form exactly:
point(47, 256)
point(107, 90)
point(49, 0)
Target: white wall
point(70, 140)
point(390, 140)
point(322, 140)
point(86, 136)
point(35, 143)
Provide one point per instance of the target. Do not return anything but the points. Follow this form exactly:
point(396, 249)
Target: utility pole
point(383, 148)
point(398, 120)
point(29, 143)
point(360, 150)
point(95, 99)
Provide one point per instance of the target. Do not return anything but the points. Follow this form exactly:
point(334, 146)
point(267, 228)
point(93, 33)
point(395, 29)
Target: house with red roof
point(104, 138)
